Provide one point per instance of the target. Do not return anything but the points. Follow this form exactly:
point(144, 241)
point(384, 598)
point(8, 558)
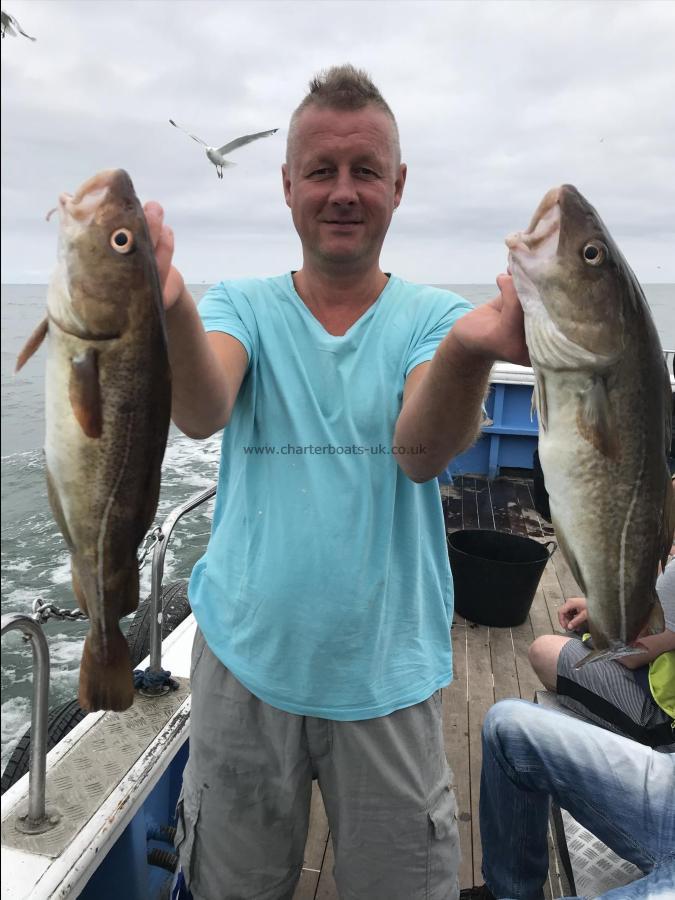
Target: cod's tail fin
point(106, 679)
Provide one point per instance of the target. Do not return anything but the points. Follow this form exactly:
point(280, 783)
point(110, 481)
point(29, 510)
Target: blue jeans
point(621, 791)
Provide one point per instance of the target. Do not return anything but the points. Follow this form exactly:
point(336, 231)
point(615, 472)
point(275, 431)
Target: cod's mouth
point(542, 235)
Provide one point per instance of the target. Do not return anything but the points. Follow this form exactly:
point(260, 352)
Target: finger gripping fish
point(602, 393)
point(108, 406)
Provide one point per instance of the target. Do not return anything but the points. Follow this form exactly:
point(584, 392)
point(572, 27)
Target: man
point(324, 600)
point(619, 790)
point(633, 695)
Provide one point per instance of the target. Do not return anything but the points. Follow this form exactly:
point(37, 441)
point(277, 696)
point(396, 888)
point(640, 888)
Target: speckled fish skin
point(108, 403)
point(604, 402)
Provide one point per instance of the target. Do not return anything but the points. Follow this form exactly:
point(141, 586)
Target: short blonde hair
point(343, 88)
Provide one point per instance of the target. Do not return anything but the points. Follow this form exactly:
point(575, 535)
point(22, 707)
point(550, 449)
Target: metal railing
point(37, 819)
point(163, 535)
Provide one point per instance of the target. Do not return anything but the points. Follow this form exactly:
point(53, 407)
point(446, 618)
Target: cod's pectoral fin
point(84, 392)
point(596, 420)
point(32, 344)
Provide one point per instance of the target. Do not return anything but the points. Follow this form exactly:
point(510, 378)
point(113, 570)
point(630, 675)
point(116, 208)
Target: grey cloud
point(496, 102)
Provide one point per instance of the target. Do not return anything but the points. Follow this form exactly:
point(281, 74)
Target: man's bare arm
point(442, 400)
point(206, 369)
point(655, 645)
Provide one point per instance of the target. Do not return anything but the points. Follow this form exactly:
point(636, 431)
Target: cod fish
point(108, 403)
point(602, 393)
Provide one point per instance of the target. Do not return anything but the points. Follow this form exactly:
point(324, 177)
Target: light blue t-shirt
point(326, 587)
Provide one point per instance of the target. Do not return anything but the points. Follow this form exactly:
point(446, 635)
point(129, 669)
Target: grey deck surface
point(489, 664)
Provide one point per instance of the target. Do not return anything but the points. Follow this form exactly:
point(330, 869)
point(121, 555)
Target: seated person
point(634, 695)
point(619, 790)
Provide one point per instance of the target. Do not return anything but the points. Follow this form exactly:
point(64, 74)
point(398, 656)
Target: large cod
point(603, 397)
point(108, 404)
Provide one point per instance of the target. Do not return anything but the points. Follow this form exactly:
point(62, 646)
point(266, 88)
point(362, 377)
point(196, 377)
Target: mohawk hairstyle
point(343, 88)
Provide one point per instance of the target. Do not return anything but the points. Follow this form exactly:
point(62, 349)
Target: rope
point(152, 680)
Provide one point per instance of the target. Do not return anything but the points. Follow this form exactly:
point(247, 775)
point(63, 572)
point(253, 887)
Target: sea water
point(35, 562)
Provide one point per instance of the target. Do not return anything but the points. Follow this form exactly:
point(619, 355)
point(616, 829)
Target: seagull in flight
point(217, 154)
point(9, 25)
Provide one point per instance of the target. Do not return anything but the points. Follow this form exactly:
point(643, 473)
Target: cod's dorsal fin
point(596, 420)
point(84, 392)
point(32, 344)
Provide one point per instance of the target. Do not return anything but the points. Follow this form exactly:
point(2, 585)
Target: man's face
point(342, 183)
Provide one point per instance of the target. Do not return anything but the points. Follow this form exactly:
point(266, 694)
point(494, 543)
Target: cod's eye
point(122, 240)
point(594, 253)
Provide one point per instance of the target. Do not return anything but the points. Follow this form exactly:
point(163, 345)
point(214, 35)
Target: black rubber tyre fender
point(61, 720)
point(175, 609)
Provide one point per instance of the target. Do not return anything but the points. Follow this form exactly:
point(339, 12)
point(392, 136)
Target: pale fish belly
point(72, 459)
point(591, 499)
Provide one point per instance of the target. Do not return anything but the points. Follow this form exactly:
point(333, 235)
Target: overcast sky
point(496, 102)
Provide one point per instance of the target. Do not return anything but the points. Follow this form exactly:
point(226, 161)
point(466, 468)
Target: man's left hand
point(496, 329)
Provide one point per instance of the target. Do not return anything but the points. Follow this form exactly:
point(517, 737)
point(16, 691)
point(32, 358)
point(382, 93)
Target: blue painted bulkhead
point(508, 442)
point(125, 871)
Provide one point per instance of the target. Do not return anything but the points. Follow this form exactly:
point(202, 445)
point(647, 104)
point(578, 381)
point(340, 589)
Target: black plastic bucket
point(496, 574)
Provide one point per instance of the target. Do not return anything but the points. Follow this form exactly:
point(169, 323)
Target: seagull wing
point(193, 136)
point(245, 139)
point(11, 24)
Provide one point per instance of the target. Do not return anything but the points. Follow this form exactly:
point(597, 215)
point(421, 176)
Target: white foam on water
point(36, 563)
point(61, 573)
point(21, 566)
point(15, 720)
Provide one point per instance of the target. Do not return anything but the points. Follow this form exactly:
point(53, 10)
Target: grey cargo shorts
point(243, 813)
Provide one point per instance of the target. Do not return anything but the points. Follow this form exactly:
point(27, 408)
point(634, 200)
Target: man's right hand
point(573, 613)
point(161, 236)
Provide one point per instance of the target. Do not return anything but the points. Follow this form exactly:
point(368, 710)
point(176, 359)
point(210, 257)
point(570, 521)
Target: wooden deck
point(489, 665)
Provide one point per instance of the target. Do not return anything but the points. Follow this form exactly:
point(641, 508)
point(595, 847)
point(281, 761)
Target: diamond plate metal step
point(80, 781)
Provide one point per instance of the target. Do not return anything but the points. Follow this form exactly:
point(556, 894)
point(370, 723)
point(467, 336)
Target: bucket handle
point(548, 544)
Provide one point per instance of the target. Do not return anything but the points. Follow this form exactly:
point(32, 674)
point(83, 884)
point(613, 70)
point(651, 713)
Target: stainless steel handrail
point(37, 818)
point(158, 571)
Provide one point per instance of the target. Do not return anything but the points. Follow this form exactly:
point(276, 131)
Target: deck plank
point(456, 737)
point(547, 529)
point(500, 495)
point(327, 889)
point(515, 513)
point(452, 505)
point(530, 516)
point(486, 518)
point(503, 659)
point(315, 848)
point(553, 594)
point(480, 699)
point(469, 503)
point(568, 584)
point(528, 682)
point(540, 615)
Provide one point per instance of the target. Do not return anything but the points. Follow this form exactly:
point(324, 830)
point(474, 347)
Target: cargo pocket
point(443, 849)
point(187, 816)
